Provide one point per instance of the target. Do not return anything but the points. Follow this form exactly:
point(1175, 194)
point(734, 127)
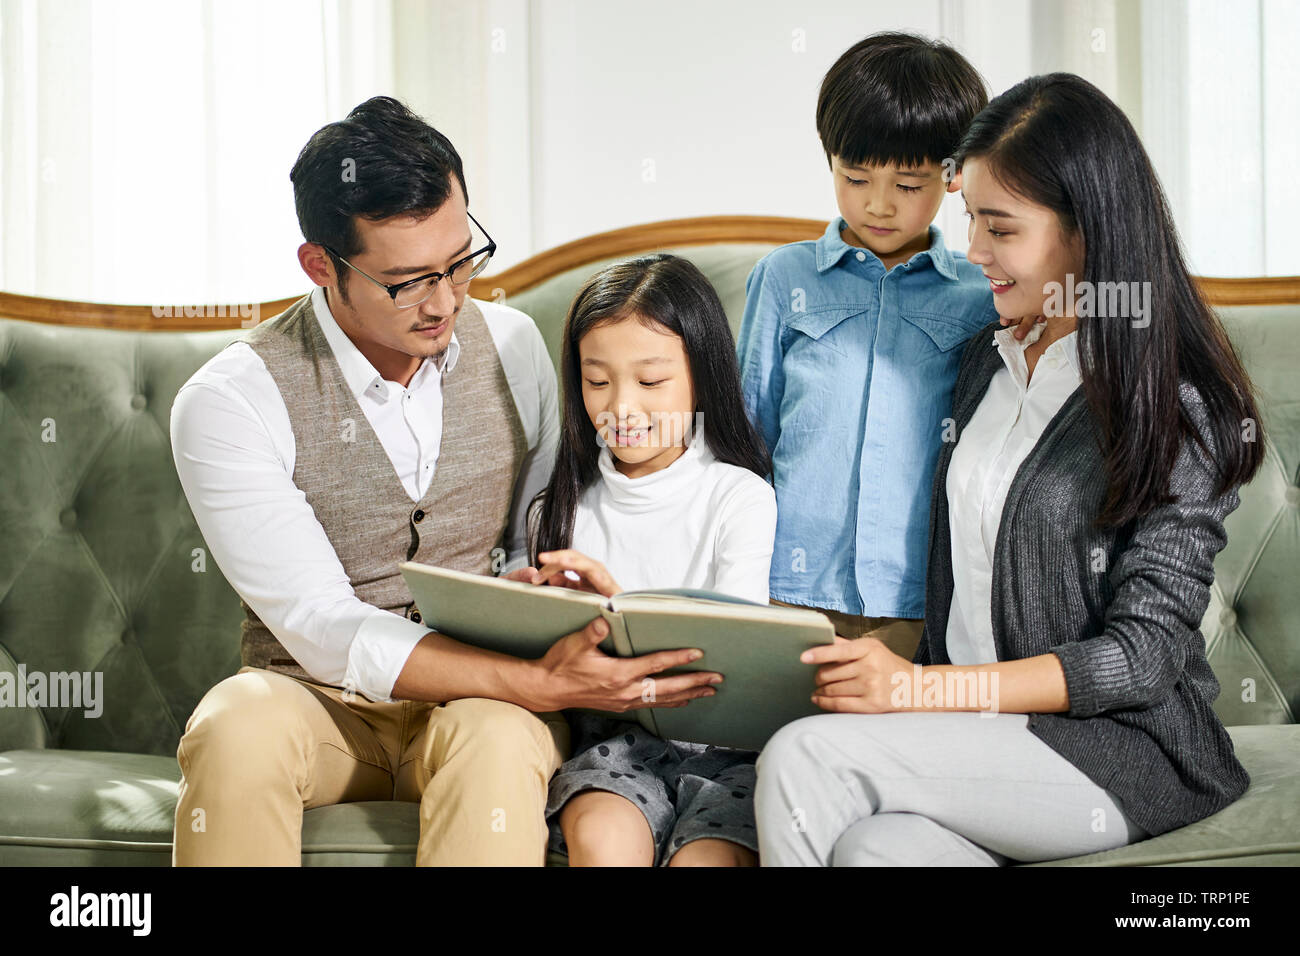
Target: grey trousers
point(926, 789)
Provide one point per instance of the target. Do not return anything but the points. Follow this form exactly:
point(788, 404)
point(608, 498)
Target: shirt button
point(418, 516)
point(862, 257)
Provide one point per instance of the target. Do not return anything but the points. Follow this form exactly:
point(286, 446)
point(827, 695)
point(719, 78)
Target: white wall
point(702, 108)
point(579, 116)
point(133, 175)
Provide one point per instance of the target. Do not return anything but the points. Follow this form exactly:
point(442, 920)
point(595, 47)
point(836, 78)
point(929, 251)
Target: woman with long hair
point(1060, 702)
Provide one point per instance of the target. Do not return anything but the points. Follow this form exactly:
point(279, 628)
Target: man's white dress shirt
point(234, 452)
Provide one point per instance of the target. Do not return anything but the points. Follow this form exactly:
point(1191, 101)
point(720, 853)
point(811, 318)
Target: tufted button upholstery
point(1253, 621)
point(115, 590)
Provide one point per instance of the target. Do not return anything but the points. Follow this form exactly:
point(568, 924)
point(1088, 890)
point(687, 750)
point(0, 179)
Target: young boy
point(850, 344)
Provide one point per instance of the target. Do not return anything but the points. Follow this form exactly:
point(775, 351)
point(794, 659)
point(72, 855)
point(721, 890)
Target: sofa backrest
point(1252, 626)
point(104, 569)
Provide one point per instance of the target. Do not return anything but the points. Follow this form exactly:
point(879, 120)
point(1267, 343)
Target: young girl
point(659, 482)
point(1073, 531)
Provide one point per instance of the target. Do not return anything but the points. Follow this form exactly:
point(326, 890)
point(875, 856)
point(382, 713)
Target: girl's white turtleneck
point(699, 523)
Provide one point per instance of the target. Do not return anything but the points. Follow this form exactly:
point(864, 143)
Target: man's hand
point(577, 673)
point(856, 677)
point(1023, 324)
point(573, 569)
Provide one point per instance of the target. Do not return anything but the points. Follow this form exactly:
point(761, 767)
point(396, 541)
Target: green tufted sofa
point(103, 569)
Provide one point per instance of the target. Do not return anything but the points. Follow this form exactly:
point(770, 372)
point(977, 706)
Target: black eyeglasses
point(412, 292)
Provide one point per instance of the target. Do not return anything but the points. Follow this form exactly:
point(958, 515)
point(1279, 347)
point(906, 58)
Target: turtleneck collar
point(649, 491)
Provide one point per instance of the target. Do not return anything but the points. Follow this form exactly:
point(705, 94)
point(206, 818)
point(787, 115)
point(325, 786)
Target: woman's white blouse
point(1004, 429)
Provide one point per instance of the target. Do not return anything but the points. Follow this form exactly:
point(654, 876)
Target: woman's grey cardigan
point(1121, 608)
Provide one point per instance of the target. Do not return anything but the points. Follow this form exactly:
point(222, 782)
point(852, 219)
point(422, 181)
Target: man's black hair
point(381, 161)
point(897, 98)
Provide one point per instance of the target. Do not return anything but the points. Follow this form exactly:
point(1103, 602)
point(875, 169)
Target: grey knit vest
point(349, 480)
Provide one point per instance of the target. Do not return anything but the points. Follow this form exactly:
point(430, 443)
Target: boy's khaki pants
point(902, 635)
point(262, 747)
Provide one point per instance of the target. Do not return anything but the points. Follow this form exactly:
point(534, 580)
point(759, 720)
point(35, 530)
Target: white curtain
point(1222, 124)
point(147, 144)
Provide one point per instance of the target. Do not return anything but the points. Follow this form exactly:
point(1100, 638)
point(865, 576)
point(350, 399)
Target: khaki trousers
point(262, 747)
point(902, 635)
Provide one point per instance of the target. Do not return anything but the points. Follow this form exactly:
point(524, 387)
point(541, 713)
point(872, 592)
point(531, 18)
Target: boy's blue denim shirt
point(847, 371)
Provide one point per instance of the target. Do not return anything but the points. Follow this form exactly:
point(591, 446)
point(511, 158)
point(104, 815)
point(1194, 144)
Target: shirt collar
point(357, 370)
point(650, 492)
point(1005, 340)
point(831, 249)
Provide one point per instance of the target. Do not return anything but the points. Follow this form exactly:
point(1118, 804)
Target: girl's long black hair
point(670, 294)
point(1060, 142)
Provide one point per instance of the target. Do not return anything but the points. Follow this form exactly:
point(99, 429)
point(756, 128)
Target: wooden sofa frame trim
point(667, 234)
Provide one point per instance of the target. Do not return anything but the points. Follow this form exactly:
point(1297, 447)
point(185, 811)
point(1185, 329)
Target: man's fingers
point(666, 688)
point(680, 699)
point(596, 631)
point(658, 705)
point(663, 661)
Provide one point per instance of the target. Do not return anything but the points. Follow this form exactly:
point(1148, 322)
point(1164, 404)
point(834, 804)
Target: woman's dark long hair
point(669, 294)
point(1060, 142)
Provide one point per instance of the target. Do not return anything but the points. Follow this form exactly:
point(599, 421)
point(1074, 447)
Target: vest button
point(418, 516)
point(415, 616)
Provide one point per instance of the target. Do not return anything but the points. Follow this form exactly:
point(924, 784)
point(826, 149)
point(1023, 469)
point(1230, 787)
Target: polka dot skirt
point(686, 791)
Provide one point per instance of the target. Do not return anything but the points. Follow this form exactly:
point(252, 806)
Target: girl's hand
point(1023, 324)
point(856, 677)
point(587, 574)
point(526, 575)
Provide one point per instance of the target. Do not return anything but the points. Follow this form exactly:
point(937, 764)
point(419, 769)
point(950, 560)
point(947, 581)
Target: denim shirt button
point(862, 256)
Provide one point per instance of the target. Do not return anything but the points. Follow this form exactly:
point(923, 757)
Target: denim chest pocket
point(823, 326)
point(944, 332)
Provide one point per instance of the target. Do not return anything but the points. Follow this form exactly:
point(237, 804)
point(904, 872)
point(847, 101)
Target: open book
point(755, 647)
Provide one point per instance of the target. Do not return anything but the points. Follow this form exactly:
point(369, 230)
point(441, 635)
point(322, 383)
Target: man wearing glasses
point(385, 417)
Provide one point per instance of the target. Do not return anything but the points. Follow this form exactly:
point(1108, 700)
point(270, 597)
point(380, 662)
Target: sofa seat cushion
point(1260, 829)
point(92, 808)
point(95, 808)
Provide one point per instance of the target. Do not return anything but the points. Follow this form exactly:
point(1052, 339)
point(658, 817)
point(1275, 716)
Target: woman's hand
point(573, 569)
point(856, 677)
